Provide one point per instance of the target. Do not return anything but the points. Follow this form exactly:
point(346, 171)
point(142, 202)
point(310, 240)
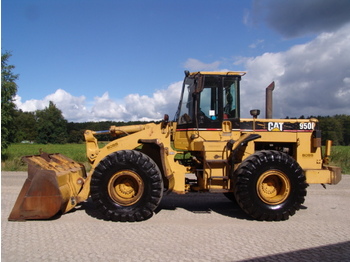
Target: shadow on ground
point(203, 203)
point(334, 252)
point(192, 202)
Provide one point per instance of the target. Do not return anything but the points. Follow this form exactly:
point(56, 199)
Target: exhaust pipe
point(268, 106)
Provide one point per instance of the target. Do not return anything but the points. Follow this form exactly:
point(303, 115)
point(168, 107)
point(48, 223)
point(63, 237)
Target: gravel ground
point(192, 227)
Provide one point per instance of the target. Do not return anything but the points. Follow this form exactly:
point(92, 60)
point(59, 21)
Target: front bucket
point(53, 184)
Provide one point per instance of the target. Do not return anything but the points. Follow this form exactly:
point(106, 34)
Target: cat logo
point(274, 126)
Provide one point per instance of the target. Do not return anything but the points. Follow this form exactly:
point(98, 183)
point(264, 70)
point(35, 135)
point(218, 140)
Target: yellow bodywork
point(212, 145)
point(212, 154)
point(144, 132)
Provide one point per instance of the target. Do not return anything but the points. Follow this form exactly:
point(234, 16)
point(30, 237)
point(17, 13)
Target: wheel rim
point(125, 187)
point(273, 187)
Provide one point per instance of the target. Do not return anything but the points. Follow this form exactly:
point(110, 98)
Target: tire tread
point(248, 171)
point(123, 159)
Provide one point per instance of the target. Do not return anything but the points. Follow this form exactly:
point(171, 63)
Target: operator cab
point(208, 99)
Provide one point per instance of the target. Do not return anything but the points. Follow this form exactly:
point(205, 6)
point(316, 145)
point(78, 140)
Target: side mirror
point(165, 121)
point(255, 113)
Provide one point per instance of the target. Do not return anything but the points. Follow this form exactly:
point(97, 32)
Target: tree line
point(49, 126)
point(335, 128)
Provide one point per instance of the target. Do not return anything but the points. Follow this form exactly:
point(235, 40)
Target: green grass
point(340, 155)
point(16, 151)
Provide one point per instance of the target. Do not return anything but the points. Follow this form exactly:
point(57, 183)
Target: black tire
point(126, 186)
point(230, 196)
point(270, 185)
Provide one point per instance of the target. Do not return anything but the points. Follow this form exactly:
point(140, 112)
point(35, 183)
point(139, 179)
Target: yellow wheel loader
point(264, 165)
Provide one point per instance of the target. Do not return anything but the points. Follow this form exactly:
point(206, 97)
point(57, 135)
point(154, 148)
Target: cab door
point(207, 102)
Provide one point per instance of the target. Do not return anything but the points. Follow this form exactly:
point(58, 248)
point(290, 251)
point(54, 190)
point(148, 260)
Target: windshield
point(207, 100)
point(218, 99)
point(185, 107)
point(230, 98)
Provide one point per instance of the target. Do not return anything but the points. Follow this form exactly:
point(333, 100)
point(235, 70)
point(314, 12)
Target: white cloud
point(133, 107)
point(72, 107)
point(151, 108)
point(29, 105)
point(105, 108)
point(311, 79)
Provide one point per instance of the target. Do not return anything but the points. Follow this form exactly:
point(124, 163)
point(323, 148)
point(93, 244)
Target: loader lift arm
point(265, 164)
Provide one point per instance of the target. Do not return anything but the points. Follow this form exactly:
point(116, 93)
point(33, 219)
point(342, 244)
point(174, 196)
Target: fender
point(236, 146)
point(154, 148)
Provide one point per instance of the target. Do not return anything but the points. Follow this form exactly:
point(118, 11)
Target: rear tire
point(126, 186)
point(270, 185)
point(231, 196)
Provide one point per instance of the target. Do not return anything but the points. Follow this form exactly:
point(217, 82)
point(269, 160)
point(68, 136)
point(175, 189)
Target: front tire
point(270, 185)
point(126, 186)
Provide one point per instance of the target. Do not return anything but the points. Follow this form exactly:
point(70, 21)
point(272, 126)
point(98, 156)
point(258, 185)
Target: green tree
point(332, 129)
point(75, 136)
point(8, 92)
point(25, 126)
point(344, 121)
point(346, 125)
point(51, 125)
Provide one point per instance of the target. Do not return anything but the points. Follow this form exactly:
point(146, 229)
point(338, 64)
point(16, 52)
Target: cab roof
point(238, 73)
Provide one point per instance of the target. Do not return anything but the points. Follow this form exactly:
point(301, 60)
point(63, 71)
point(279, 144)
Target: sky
point(125, 60)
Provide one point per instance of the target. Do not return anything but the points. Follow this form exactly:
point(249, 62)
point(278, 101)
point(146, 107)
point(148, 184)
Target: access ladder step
point(225, 178)
point(218, 190)
point(217, 161)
